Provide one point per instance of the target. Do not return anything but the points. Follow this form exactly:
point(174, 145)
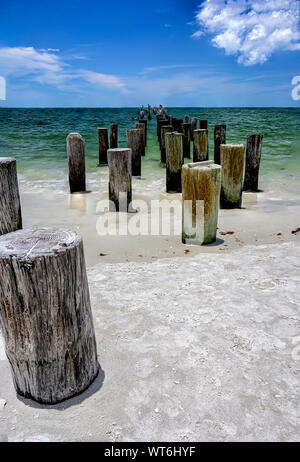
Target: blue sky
point(179, 53)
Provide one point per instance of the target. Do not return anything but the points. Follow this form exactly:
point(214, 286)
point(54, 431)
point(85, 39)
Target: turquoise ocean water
point(37, 137)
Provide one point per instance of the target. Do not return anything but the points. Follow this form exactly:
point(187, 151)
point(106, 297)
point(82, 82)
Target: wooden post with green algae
point(232, 162)
point(201, 181)
point(200, 151)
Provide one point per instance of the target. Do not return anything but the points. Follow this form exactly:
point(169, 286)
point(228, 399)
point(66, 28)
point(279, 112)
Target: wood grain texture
point(135, 141)
point(113, 136)
point(232, 161)
point(253, 154)
point(76, 162)
point(103, 145)
point(201, 181)
point(45, 313)
point(120, 178)
point(142, 127)
point(219, 138)
point(194, 123)
point(200, 151)
point(10, 207)
point(186, 130)
point(145, 122)
point(164, 129)
point(174, 161)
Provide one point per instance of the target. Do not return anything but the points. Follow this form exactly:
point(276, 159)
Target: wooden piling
point(144, 121)
point(186, 128)
point(142, 127)
point(160, 123)
point(194, 122)
point(135, 141)
point(200, 151)
point(164, 129)
point(177, 124)
point(120, 178)
point(186, 119)
point(219, 138)
point(253, 153)
point(103, 145)
point(113, 136)
point(46, 314)
point(10, 207)
point(232, 162)
point(76, 161)
point(203, 124)
point(201, 181)
point(174, 161)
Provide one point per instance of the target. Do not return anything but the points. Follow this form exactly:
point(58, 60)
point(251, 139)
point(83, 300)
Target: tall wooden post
point(119, 163)
point(174, 161)
point(160, 123)
point(135, 141)
point(200, 152)
point(144, 121)
point(103, 145)
point(219, 138)
point(194, 122)
point(203, 124)
point(232, 162)
point(113, 136)
point(158, 118)
point(164, 129)
point(46, 314)
point(10, 207)
point(253, 153)
point(177, 124)
point(76, 161)
point(186, 119)
point(186, 128)
point(143, 128)
point(201, 181)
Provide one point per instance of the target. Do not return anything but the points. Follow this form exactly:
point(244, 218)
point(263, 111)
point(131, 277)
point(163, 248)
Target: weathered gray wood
point(103, 145)
point(10, 207)
point(142, 127)
point(164, 129)
point(158, 118)
point(135, 141)
point(194, 122)
point(113, 136)
point(232, 162)
point(76, 161)
point(219, 138)
point(46, 316)
point(174, 161)
point(203, 124)
point(253, 153)
point(161, 123)
point(186, 129)
point(145, 122)
point(120, 178)
point(201, 181)
point(200, 151)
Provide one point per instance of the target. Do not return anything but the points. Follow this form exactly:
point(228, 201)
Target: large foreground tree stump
point(201, 181)
point(174, 161)
point(76, 161)
point(120, 179)
point(164, 129)
point(113, 136)
point(200, 151)
point(46, 315)
point(103, 145)
point(135, 141)
point(10, 207)
point(232, 161)
point(253, 153)
point(219, 138)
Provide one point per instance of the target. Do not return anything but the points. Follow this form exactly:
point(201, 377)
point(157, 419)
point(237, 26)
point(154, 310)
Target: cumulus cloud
point(252, 30)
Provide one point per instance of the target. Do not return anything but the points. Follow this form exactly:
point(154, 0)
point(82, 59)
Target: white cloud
point(250, 29)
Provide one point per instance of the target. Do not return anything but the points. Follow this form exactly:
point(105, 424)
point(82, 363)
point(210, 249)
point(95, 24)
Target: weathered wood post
point(113, 136)
point(119, 163)
point(253, 153)
point(135, 141)
point(144, 121)
point(163, 123)
point(203, 124)
point(142, 127)
point(219, 138)
point(103, 145)
point(158, 118)
point(164, 129)
point(200, 151)
point(76, 161)
point(232, 162)
point(194, 122)
point(10, 207)
point(160, 123)
point(186, 128)
point(201, 181)
point(177, 124)
point(46, 314)
point(186, 119)
point(174, 161)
